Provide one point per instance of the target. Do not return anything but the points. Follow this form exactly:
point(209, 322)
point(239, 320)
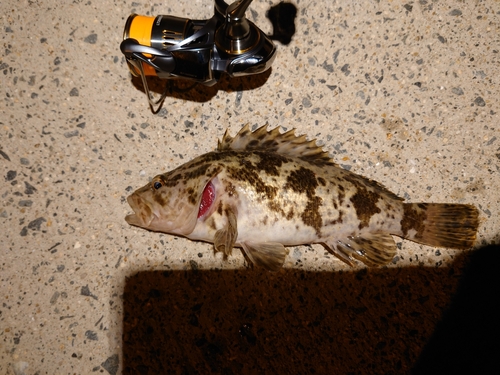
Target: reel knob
point(237, 35)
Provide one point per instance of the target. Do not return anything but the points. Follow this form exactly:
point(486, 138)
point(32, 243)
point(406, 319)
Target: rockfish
point(263, 190)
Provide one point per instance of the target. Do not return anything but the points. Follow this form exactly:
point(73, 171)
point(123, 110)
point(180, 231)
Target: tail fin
point(442, 225)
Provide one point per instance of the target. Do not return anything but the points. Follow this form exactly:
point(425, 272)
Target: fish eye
point(157, 185)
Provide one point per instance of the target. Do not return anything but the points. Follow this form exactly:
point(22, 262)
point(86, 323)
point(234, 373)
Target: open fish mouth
point(138, 221)
point(143, 215)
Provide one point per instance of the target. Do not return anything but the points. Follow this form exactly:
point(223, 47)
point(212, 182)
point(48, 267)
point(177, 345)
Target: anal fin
point(269, 255)
point(225, 238)
point(373, 249)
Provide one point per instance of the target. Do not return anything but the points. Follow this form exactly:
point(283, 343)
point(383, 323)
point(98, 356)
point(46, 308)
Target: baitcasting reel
point(197, 50)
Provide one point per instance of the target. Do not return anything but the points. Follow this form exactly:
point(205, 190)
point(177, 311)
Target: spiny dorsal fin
point(263, 139)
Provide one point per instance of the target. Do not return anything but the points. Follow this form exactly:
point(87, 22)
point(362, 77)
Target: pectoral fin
point(224, 239)
point(269, 255)
point(374, 250)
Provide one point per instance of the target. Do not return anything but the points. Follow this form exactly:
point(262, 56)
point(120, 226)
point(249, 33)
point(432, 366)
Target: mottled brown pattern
point(246, 163)
point(192, 195)
point(196, 168)
point(316, 161)
point(341, 192)
point(244, 133)
point(365, 204)
point(271, 144)
point(283, 181)
point(197, 172)
point(311, 215)
point(357, 180)
point(338, 220)
point(270, 162)
point(262, 136)
point(170, 179)
point(275, 206)
point(249, 174)
point(413, 219)
point(211, 222)
point(144, 210)
point(304, 181)
point(158, 197)
point(230, 189)
point(209, 158)
point(253, 143)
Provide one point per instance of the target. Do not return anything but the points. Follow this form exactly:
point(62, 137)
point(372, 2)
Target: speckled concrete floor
point(406, 93)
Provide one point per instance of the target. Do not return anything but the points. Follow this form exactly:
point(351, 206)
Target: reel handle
point(237, 35)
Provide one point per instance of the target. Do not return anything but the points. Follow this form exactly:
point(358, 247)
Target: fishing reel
point(198, 50)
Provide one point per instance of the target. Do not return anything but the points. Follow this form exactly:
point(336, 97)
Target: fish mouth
point(143, 215)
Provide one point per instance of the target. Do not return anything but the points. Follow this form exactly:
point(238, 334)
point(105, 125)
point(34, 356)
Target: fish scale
point(264, 190)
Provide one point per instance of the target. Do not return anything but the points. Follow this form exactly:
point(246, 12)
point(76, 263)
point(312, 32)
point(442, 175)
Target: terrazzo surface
point(404, 92)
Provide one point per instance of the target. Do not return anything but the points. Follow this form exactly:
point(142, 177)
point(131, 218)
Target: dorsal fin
point(263, 139)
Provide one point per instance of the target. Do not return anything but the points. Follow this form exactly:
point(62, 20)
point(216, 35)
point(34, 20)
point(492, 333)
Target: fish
point(263, 191)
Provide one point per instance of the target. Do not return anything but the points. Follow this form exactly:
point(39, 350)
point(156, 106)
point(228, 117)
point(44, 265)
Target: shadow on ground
point(197, 92)
point(293, 322)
